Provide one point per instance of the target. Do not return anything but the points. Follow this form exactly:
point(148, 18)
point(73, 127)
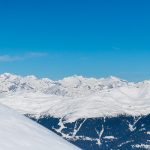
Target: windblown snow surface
point(19, 133)
point(105, 113)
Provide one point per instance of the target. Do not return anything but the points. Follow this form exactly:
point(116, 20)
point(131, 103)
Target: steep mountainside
point(19, 133)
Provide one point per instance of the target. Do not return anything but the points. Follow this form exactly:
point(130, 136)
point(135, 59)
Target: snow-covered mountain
point(105, 113)
point(74, 86)
point(19, 133)
point(75, 97)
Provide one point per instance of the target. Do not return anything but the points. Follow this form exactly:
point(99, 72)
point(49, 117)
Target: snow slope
point(19, 133)
point(75, 97)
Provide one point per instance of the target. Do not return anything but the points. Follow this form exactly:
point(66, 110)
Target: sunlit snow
point(19, 133)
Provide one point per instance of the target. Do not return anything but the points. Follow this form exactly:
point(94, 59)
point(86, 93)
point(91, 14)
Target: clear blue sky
point(58, 38)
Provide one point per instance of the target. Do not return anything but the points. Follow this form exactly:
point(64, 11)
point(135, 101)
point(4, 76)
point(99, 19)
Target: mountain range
point(106, 113)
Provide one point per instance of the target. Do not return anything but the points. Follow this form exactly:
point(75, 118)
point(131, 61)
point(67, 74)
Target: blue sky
point(55, 38)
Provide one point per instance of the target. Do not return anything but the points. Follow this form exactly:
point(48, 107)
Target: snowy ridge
point(70, 86)
point(19, 133)
point(75, 97)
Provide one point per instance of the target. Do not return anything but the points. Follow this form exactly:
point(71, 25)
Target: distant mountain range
point(106, 113)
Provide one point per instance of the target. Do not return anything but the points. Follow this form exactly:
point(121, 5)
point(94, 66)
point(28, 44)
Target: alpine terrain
point(19, 133)
point(94, 114)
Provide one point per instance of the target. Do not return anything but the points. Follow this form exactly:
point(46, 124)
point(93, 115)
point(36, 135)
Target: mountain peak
point(7, 74)
point(115, 78)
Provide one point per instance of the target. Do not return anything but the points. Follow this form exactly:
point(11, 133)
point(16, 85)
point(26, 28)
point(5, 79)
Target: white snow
point(70, 86)
point(75, 97)
point(19, 133)
point(142, 146)
point(148, 132)
point(109, 137)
